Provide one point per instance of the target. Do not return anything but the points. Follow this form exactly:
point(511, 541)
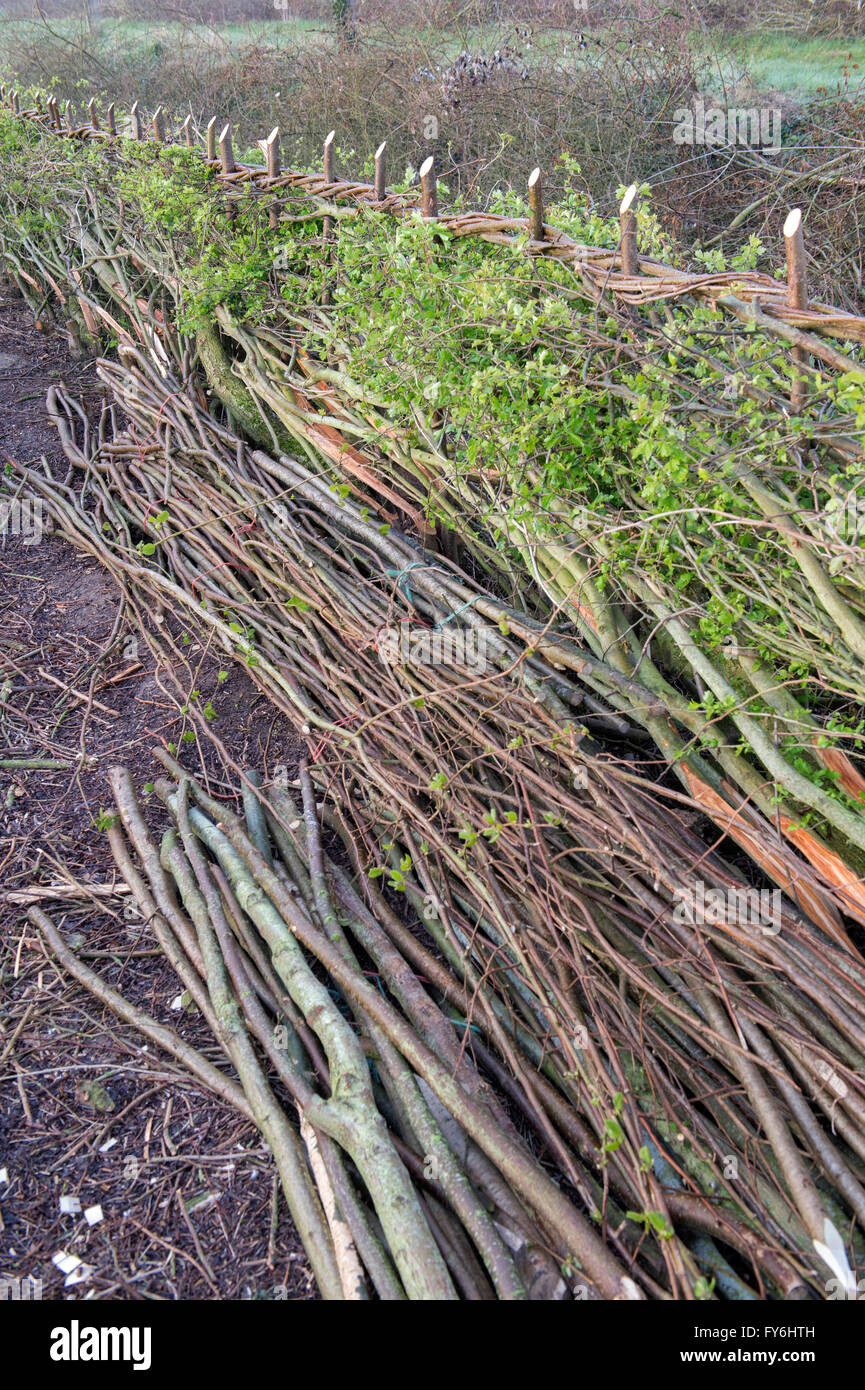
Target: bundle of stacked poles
point(578, 1073)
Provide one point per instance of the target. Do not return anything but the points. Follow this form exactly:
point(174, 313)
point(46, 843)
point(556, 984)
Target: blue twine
point(400, 576)
point(450, 617)
point(405, 589)
point(461, 1023)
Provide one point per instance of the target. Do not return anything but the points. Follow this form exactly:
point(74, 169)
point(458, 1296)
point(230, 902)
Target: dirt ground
point(187, 1191)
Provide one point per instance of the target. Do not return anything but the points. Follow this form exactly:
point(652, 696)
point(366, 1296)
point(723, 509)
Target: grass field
point(130, 33)
point(801, 68)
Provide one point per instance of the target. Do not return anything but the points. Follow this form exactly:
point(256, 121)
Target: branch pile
point(678, 1072)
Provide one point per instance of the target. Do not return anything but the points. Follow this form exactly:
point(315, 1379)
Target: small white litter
point(4, 1176)
point(64, 1262)
point(69, 1206)
point(78, 1276)
point(109, 1144)
point(93, 1215)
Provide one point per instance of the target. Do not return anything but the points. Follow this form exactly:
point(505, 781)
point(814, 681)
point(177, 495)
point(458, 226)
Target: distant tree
point(345, 18)
point(91, 15)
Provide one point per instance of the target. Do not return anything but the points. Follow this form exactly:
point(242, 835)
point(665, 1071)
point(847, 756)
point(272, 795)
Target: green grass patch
point(800, 68)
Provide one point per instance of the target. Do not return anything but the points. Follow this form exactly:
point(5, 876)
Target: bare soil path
point(187, 1191)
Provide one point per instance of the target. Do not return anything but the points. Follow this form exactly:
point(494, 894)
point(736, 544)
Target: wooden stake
point(226, 153)
point(112, 123)
point(536, 205)
point(270, 150)
point(797, 290)
point(797, 276)
point(16, 106)
point(327, 223)
point(380, 176)
point(55, 113)
point(94, 118)
point(135, 121)
point(271, 154)
point(159, 125)
point(328, 156)
point(628, 233)
point(187, 131)
point(210, 138)
point(428, 200)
